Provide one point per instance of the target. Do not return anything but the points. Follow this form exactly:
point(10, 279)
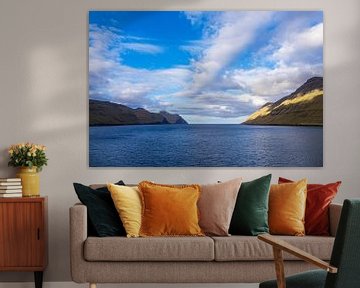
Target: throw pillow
point(102, 215)
point(127, 201)
point(319, 197)
point(287, 204)
point(250, 215)
point(169, 210)
point(216, 206)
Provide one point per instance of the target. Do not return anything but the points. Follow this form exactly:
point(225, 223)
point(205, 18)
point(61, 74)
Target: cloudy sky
point(209, 67)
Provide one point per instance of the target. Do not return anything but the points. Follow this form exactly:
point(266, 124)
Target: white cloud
point(123, 85)
point(194, 16)
point(142, 48)
point(274, 83)
point(111, 80)
point(234, 32)
point(302, 47)
point(195, 47)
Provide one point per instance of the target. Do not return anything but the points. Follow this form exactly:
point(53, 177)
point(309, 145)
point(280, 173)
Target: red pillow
point(319, 197)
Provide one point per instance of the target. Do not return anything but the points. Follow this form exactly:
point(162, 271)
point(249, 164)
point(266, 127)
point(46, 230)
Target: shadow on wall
point(4, 159)
point(43, 71)
point(44, 56)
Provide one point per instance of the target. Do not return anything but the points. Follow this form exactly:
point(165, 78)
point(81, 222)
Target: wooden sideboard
point(23, 235)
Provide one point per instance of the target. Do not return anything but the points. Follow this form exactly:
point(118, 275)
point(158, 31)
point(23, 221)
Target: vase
point(30, 181)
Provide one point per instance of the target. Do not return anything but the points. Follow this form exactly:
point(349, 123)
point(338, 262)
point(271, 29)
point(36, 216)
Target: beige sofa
point(234, 259)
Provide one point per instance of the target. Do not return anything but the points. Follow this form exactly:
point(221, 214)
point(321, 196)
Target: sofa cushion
point(318, 200)
point(243, 248)
point(102, 216)
point(149, 249)
point(250, 216)
point(127, 201)
point(287, 204)
point(169, 210)
point(216, 206)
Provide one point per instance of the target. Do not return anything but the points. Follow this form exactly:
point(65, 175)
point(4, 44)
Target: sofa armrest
point(284, 246)
point(78, 235)
point(334, 217)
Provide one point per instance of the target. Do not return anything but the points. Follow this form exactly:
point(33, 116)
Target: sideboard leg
point(92, 285)
point(38, 279)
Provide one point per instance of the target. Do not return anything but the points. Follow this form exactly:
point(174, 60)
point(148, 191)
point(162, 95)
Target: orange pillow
point(169, 210)
point(287, 204)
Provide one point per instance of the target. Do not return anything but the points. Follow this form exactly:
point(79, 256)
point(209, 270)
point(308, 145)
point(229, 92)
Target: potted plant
point(30, 158)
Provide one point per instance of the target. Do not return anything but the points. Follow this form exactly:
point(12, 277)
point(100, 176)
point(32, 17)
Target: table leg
point(38, 279)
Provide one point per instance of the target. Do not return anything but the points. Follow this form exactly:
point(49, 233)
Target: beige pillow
point(216, 206)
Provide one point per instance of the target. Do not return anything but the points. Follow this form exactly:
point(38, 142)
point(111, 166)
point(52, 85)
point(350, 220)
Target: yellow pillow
point(169, 210)
point(287, 204)
point(127, 201)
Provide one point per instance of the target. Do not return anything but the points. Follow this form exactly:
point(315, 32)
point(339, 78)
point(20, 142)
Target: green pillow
point(250, 216)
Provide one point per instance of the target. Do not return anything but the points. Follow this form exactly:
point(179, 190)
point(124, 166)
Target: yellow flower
point(29, 154)
point(11, 151)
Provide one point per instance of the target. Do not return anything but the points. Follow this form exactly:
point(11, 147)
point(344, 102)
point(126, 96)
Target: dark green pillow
point(250, 216)
point(102, 215)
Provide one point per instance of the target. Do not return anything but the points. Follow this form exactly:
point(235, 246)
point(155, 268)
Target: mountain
point(304, 107)
point(173, 118)
point(103, 113)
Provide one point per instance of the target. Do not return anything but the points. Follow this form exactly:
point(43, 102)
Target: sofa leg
point(92, 285)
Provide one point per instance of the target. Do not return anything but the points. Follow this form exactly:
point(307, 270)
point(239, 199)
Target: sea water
point(205, 146)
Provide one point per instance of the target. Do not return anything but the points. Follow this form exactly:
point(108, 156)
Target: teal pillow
point(250, 216)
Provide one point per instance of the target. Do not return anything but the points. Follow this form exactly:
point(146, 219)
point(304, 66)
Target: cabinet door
point(21, 234)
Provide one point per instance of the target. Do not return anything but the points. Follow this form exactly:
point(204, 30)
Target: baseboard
point(74, 285)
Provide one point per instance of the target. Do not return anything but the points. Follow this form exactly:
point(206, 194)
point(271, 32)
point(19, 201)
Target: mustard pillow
point(287, 204)
point(169, 210)
point(127, 201)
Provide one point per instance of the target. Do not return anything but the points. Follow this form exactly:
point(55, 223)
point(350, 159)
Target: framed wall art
point(205, 88)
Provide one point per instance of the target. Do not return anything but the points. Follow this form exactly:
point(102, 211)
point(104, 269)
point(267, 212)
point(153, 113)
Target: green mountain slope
point(302, 107)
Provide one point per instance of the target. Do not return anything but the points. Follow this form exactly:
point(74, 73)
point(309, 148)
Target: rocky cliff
point(102, 113)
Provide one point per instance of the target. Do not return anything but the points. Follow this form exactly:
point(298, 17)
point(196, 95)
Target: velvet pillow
point(169, 210)
point(319, 197)
point(250, 215)
point(287, 204)
point(102, 214)
point(127, 201)
point(216, 206)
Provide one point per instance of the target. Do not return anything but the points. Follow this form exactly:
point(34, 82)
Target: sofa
point(233, 259)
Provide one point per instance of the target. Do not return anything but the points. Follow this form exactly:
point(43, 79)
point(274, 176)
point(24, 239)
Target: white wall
point(43, 90)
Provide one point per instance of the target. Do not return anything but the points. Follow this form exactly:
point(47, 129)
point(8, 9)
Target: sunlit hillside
point(303, 107)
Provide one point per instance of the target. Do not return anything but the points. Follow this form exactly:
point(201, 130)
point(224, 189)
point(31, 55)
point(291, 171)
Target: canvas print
point(205, 88)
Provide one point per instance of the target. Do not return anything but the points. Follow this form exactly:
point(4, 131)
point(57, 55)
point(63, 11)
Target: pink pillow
point(216, 205)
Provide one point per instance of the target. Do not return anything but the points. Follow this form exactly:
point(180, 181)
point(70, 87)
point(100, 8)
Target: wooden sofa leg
point(92, 285)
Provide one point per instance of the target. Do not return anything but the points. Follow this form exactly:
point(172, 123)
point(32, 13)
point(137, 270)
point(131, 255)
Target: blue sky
point(209, 67)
